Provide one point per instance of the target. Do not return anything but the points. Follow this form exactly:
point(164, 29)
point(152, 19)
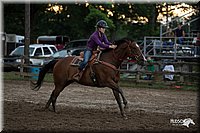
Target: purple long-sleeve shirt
point(96, 40)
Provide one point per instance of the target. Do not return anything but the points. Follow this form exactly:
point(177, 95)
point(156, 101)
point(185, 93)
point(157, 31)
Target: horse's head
point(136, 53)
point(132, 50)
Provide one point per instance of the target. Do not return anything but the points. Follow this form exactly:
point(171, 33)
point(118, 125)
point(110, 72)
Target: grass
point(159, 85)
point(11, 76)
point(123, 82)
point(15, 76)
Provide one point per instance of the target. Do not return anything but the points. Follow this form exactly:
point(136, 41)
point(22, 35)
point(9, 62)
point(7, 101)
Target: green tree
point(13, 21)
point(69, 22)
point(94, 16)
point(78, 20)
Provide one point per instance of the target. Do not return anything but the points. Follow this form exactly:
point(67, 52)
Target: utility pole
point(167, 15)
point(27, 33)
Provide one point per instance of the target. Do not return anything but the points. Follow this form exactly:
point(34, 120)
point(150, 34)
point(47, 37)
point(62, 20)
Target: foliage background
point(77, 20)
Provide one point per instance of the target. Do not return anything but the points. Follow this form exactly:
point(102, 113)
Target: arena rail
point(183, 70)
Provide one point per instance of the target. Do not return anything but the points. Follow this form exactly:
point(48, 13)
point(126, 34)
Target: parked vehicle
point(59, 41)
point(64, 53)
point(10, 42)
point(13, 61)
point(76, 43)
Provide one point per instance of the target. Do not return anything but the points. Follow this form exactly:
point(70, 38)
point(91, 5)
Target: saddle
point(93, 60)
point(77, 59)
point(76, 62)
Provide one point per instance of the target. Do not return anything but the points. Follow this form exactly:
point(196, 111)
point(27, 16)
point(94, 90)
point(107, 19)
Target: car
point(13, 61)
point(65, 53)
point(76, 43)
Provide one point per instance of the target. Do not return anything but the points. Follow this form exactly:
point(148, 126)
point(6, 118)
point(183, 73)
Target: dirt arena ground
point(81, 108)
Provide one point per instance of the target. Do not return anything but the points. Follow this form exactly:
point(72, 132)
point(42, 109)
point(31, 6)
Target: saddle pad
point(76, 61)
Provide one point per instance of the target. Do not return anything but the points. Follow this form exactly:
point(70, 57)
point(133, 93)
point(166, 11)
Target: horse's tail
point(36, 86)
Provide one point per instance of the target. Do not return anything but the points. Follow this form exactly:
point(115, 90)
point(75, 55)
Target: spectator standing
point(169, 34)
point(180, 34)
point(168, 68)
point(150, 67)
point(196, 43)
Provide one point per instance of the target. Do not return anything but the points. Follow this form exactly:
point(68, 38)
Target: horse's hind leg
point(49, 101)
point(55, 94)
point(53, 98)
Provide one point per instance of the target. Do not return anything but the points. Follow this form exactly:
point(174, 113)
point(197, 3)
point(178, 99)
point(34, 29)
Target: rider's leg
point(87, 56)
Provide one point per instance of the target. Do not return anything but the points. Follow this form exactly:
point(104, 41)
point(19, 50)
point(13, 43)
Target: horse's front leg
point(123, 98)
point(117, 88)
point(117, 97)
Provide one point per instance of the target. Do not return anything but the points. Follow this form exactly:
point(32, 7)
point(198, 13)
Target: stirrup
point(76, 76)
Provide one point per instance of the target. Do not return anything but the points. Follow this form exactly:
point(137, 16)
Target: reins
point(118, 58)
point(108, 64)
point(105, 63)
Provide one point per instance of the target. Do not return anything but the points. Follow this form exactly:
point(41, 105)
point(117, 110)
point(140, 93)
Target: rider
point(98, 38)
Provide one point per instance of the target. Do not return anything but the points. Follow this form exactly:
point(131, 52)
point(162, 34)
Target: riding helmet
point(101, 24)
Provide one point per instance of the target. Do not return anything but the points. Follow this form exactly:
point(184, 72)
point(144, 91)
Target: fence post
point(181, 76)
point(145, 46)
point(175, 48)
point(137, 74)
point(21, 66)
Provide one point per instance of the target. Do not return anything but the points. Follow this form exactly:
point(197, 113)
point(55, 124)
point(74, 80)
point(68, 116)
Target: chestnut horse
point(106, 69)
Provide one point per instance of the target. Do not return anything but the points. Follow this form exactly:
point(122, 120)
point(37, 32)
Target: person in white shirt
point(169, 68)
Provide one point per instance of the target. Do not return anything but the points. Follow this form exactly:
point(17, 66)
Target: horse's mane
point(121, 41)
point(118, 42)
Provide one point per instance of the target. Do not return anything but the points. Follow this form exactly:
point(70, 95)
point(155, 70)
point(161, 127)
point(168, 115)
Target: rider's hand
point(112, 46)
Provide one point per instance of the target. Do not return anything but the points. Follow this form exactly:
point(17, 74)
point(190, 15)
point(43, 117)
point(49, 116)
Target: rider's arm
point(105, 40)
point(98, 42)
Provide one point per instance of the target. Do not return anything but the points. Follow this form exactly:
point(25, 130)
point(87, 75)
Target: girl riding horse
point(98, 38)
point(106, 70)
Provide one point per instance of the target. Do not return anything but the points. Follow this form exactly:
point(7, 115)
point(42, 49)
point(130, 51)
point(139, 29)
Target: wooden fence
point(184, 71)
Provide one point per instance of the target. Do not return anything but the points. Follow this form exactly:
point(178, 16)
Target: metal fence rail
point(158, 47)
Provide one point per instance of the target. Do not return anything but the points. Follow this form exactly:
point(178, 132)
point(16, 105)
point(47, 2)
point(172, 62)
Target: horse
point(106, 69)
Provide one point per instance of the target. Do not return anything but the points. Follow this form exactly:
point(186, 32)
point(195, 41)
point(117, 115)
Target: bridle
point(119, 58)
point(136, 56)
point(129, 55)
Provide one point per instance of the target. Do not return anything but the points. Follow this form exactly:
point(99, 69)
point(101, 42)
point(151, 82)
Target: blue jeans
point(180, 40)
point(87, 56)
point(197, 50)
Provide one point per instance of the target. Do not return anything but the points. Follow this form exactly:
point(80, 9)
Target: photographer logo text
point(184, 122)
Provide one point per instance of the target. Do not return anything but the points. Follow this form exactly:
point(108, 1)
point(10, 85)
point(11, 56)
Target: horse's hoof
point(126, 107)
point(125, 117)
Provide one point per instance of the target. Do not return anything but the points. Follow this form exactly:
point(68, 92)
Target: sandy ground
point(90, 109)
